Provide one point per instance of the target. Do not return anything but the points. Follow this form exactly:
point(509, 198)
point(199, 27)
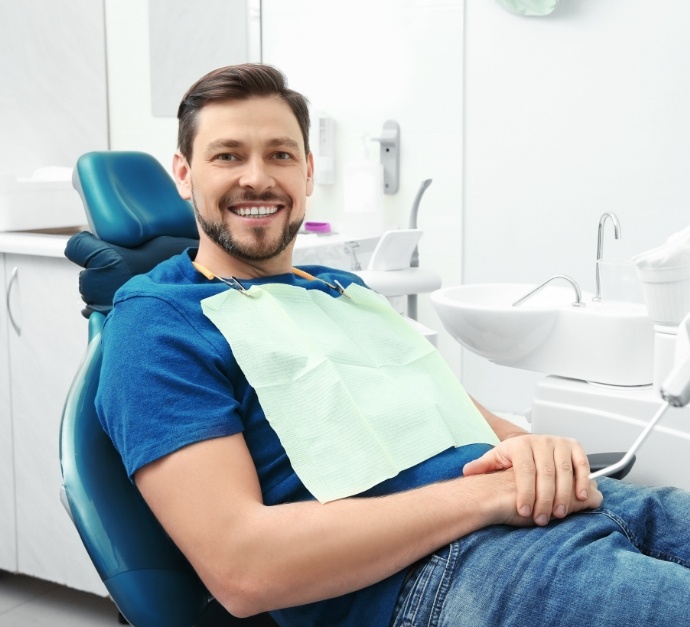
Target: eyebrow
point(278, 142)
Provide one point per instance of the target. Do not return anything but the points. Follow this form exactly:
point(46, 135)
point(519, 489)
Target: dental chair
point(137, 219)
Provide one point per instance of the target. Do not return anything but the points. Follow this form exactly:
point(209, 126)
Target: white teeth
point(255, 211)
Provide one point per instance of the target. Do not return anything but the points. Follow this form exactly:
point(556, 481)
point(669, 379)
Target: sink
point(611, 343)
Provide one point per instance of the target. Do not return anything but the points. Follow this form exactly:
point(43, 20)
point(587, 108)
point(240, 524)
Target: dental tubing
point(675, 392)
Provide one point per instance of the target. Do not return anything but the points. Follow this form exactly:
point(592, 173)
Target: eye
point(282, 156)
point(226, 156)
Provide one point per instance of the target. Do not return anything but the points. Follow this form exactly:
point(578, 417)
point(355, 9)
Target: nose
point(256, 175)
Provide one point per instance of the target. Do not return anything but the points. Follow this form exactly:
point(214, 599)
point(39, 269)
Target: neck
point(221, 263)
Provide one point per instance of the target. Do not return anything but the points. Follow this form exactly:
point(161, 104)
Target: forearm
point(502, 428)
point(255, 557)
point(311, 551)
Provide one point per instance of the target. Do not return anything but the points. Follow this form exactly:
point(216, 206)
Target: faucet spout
point(578, 294)
point(600, 245)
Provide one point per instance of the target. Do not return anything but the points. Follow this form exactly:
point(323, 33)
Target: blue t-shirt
point(169, 379)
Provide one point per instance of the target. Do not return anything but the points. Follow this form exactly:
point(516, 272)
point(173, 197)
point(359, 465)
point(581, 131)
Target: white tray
point(35, 203)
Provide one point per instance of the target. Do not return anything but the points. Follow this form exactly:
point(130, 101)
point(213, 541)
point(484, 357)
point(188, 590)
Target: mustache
point(231, 199)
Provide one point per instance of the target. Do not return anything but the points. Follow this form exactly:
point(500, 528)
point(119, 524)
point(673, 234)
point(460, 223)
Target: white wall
point(53, 91)
point(567, 117)
point(132, 125)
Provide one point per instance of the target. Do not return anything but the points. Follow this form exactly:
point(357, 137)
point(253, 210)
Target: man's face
point(249, 177)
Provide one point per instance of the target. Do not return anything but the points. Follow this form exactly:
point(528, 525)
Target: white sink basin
point(608, 343)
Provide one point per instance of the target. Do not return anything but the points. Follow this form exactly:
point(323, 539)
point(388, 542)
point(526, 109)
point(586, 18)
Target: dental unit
point(393, 269)
point(615, 365)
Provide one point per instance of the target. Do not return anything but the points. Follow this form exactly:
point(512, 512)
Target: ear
point(310, 174)
point(182, 174)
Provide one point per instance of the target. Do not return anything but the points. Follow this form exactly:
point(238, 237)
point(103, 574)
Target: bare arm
point(253, 557)
point(504, 429)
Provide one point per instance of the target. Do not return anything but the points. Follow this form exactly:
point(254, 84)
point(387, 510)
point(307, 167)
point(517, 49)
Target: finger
point(545, 468)
point(563, 463)
point(596, 498)
point(525, 480)
point(489, 462)
point(581, 470)
point(593, 501)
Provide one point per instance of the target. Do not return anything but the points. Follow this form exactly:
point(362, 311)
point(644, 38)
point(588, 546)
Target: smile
point(248, 212)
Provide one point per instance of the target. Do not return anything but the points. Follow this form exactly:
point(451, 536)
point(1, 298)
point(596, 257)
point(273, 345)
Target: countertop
point(329, 250)
point(49, 243)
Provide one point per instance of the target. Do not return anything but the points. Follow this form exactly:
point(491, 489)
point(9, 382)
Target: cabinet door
point(8, 530)
point(45, 352)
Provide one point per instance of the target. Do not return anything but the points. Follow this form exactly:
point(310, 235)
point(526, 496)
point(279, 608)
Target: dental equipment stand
point(675, 391)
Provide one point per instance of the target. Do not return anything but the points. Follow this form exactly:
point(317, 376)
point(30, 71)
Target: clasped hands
point(550, 475)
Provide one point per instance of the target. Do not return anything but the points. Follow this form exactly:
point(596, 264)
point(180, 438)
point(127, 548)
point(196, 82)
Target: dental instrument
point(235, 284)
point(675, 392)
point(230, 282)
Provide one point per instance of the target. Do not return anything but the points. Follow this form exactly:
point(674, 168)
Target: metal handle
point(613, 468)
point(13, 280)
point(390, 156)
point(578, 294)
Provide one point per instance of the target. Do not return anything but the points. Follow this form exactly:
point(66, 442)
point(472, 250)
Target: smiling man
point(249, 190)
point(314, 457)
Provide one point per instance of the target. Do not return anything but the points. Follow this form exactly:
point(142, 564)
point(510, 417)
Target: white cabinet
point(8, 529)
point(46, 337)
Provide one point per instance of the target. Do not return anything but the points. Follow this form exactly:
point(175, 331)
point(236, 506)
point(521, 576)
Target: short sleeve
point(164, 382)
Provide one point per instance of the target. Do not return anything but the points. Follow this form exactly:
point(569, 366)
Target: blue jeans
point(626, 563)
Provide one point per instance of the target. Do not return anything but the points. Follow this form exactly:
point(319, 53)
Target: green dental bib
point(354, 394)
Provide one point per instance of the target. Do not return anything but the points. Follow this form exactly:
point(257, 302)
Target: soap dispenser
point(363, 192)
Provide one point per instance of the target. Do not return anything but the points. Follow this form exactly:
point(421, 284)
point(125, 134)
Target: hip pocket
point(421, 600)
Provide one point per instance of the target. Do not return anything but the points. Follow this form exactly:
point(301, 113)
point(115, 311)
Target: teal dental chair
point(137, 219)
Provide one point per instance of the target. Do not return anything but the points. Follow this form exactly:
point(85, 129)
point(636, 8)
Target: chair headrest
point(129, 198)
point(107, 267)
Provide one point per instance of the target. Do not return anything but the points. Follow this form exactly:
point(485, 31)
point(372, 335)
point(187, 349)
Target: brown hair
point(237, 82)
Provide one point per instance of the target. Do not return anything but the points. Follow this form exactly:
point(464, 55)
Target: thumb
point(489, 462)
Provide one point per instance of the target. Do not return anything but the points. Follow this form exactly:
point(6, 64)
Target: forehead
point(255, 120)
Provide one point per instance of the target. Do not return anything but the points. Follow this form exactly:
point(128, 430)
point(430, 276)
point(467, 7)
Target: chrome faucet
point(351, 249)
point(578, 294)
point(600, 245)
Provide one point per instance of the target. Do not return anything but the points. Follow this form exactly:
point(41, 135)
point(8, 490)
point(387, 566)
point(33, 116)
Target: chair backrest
point(130, 202)
point(147, 576)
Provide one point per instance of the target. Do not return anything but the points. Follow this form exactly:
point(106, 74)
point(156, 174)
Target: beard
point(261, 248)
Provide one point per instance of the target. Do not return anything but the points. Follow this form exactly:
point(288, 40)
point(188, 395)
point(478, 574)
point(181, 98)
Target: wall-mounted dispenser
point(390, 156)
point(325, 151)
